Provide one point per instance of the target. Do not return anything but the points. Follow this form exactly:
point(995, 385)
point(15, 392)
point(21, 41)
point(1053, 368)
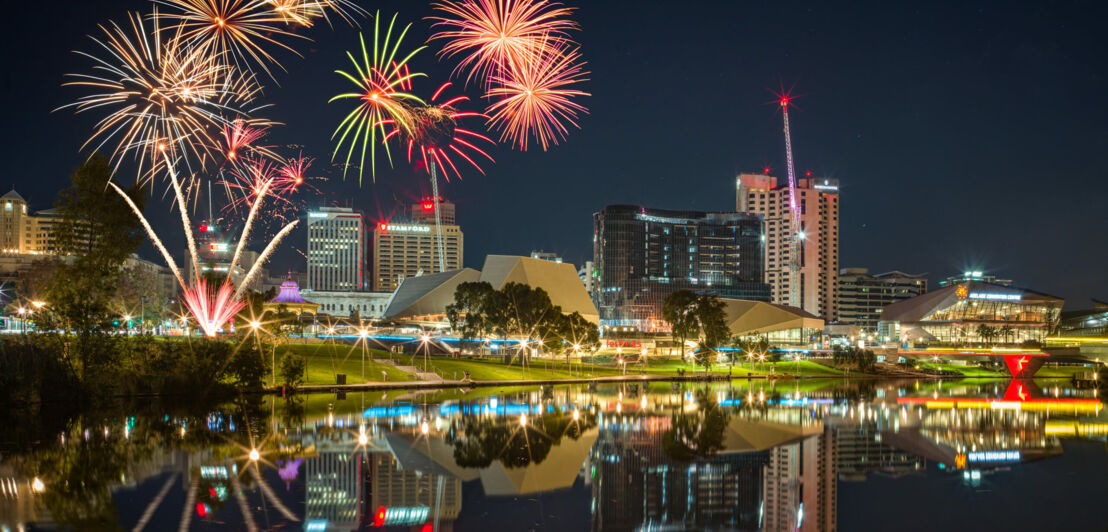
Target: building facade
point(862, 295)
point(336, 250)
point(364, 305)
point(642, 255)
point(818, 201)
point(971, 313)
point(402, 250)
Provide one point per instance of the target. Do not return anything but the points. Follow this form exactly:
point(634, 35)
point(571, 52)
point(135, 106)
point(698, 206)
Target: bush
point(246, 369)
point(292, 369)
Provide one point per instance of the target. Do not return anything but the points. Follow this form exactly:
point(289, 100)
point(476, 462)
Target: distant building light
point(994, 456)
point(317, 215)
point(995, 297)
point(405, 228)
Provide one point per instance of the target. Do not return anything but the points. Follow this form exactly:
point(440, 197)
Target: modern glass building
point(861, 295)
point(971, 313)
point(642, 255)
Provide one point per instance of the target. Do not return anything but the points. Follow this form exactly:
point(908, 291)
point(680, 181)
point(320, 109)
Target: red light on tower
point(765, 170)
point(379, 517)
point(428, 206)
point(383, 226)
point(808, 173)
point(203, 228)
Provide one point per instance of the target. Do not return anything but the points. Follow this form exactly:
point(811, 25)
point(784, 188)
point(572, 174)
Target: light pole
point(363, 334)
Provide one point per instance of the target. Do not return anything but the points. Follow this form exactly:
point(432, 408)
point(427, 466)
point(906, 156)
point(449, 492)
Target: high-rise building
point(424, 211)
point(403, 249)
point(336, 250)
point(643, 255)
point(818, 201)
point(16, 226)
point(862, 295)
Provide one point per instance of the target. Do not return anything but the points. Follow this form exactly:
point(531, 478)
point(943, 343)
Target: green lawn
point(1061, 371)
point(324, 360)
point(968, 371)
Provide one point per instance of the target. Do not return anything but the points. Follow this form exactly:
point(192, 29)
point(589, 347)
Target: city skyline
point(935, 157)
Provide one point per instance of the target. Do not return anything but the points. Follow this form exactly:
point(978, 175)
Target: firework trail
point(497, 37)
point(379, 79)
point(537, 100)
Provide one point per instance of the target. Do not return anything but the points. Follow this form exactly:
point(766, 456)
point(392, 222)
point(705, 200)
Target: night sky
point(967, 136)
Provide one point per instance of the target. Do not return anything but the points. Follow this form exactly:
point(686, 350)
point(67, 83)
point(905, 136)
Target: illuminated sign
point(404, 228)
point(317, 215)
point(218, 246)
point(960, 461)
point(993, 456)
point(962, 291)
point(315, 525)
point(995, 297)
point(624, 343)
point(403, 515)
point(428, 206)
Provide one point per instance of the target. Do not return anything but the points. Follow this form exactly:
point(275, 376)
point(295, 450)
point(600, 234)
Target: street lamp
point(254, 455)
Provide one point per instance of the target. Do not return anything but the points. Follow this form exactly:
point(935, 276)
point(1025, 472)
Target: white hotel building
point(336, 250)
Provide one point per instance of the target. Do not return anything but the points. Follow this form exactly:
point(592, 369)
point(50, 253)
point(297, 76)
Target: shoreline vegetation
point(39, 369)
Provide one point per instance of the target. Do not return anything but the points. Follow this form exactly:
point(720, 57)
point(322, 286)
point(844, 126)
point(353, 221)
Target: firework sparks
point(159, 96)
point(238, 31)
point(380, 79)
point(436, 135)
point(211, 309)
point(303, 12)
point(536, 100)
point(497, 37)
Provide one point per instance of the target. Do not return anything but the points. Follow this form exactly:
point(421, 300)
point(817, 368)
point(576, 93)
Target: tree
point(142, 294)
point(679, 310)
point(96, 232)
point(986, 333)
point(712, 322)
point(1006, 331)
point(574, 332)
point(470, 312)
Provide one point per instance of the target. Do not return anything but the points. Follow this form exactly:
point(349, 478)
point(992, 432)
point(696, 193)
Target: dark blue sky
point(970, 135)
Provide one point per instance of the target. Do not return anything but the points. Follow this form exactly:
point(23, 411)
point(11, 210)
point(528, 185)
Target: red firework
point(212, 309)
point(436, 135)
point(249, 179)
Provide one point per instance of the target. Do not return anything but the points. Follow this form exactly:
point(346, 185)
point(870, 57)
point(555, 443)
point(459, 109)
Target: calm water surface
point(813, 455)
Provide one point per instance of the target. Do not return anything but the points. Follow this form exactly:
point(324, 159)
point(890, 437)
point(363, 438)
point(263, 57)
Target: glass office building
point(642, 255)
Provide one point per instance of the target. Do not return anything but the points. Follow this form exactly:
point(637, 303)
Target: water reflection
point(738, 456)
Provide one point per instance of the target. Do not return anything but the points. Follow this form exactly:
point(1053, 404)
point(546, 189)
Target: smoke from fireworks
point(380, 79)
point(436, 135)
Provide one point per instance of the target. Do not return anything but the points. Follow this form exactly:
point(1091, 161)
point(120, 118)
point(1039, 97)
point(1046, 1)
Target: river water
point(791, 455)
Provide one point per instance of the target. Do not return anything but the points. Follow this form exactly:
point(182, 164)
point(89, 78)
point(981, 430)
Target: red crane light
point(203, 228)
point(765, 170)
point(379, 517)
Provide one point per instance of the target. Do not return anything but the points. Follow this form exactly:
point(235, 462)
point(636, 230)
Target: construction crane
point(438, 217)
point(796, 233)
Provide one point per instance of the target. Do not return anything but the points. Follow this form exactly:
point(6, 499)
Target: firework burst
point(158, 96)
point(436, 134)
point(496, 37)
point(537, 100)
point(238, 31)
point(380, 79)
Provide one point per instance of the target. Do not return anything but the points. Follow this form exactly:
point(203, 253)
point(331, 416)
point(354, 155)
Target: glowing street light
point(254, 325)
point(523, 420)
point(38, 304)
point(424, 428)
point(37, 485)
point(576, 415)
point(254, 455)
